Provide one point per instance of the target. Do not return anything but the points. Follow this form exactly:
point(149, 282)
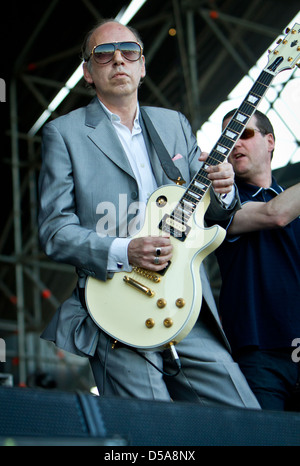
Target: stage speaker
point(189, 424)
point(53, 416)
point(50, 417)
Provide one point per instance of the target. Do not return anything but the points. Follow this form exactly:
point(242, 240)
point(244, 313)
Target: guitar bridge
point(138, 286)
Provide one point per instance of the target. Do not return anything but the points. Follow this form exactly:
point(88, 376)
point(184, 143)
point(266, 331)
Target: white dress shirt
point(134, 146)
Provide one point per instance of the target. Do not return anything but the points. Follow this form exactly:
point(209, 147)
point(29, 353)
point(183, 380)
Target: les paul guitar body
point(146, 309)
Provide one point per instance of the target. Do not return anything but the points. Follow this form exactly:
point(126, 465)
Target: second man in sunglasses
point(260, 266)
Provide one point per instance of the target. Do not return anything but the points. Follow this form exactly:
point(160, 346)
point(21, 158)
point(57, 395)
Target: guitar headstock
point(287, 53)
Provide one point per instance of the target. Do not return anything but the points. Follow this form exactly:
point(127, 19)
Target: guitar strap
point(168, 166)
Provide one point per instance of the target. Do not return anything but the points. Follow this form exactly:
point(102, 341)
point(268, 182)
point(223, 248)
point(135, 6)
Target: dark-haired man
point(260, 267)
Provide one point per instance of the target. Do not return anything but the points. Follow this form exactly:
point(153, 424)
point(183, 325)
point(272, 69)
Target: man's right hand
point(142, 252)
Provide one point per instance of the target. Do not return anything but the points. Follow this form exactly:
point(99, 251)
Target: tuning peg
point(279, 40)
point(287, 30)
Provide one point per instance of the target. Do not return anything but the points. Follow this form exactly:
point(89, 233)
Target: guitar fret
point(253, 99)
point(202, 179)
point(219, 154)
point(181, 217)
point(193, 194)
point(225, 141)
point(246, 108)
point(178, 218)
point(185, 204)
point(231, 134)
point(196, 188)
point(192, 204)
point(199, 185)
point(189, 204)
point(258, 89)
point(221, 149)
point(265, 78)
point(194, 191)
point(262, 84)
point(236, 126)
point(181, 213)
point(242, 118)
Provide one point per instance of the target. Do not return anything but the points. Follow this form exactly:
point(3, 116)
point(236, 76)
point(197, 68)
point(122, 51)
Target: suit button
point(134, 195)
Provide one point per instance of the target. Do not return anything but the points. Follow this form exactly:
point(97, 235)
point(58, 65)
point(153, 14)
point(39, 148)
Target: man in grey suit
point(98, 170)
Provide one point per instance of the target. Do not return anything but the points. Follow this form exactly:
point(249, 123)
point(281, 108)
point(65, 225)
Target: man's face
point(251, 157)
point(120, 77)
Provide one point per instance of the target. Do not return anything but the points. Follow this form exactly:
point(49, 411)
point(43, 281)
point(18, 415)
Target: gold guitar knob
point(180, 302)
point(168, 322)
point(161, 303)
point(150, 323)
point(161, 201)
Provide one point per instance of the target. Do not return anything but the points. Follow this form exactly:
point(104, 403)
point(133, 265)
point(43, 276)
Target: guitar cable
point(173, 352)
point(177, 361)
point(174, 356)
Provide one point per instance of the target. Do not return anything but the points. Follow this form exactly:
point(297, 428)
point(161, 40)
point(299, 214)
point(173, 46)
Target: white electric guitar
point(150, 310)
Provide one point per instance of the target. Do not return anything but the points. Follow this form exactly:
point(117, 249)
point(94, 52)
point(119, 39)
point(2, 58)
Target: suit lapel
point(104, 136)
point(153, 157)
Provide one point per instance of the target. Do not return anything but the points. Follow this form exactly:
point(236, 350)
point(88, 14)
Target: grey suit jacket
point(84, 166)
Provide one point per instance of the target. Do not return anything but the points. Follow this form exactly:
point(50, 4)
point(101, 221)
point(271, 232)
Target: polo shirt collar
point(255, 190)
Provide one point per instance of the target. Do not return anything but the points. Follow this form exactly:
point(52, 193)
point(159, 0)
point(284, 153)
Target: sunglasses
point(248, 133)
point(104, 53)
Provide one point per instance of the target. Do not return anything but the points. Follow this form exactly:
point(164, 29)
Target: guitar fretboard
point(176, 223)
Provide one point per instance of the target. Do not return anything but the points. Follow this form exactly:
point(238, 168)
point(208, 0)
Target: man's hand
point(221, 176)
point(143, 251)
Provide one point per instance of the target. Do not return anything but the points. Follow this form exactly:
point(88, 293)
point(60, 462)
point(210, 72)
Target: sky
point(281, 104)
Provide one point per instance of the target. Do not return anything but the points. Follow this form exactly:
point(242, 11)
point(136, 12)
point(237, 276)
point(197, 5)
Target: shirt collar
point(255, 190)
point(114, 118)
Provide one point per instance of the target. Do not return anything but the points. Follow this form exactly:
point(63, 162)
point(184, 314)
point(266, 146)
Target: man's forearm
point(276, 213)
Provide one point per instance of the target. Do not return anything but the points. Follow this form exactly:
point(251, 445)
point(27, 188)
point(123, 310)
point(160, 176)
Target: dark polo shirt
point(260, 295)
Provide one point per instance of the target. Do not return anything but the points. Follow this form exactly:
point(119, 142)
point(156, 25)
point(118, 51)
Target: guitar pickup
point(176, 229)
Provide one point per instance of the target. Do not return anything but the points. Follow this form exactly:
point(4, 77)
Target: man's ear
point(143, 73)
point(271, 142)
point(87, 75)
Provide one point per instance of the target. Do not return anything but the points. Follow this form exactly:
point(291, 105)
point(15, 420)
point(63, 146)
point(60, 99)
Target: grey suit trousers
point(208, 374)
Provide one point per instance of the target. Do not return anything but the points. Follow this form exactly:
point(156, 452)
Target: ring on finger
point(156, 260)
point(158, 251)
